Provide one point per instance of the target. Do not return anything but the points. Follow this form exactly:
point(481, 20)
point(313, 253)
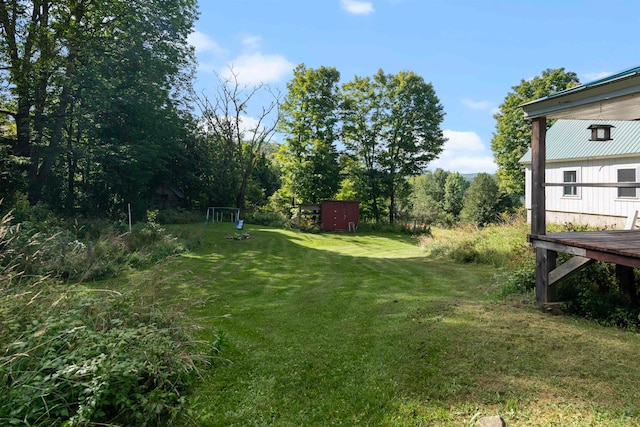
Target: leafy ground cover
point(78, 356)
point(366, 329)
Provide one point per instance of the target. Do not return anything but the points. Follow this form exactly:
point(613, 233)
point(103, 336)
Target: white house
point(588, 163)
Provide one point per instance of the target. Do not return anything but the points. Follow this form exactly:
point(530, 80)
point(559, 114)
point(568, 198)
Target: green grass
point(364, 329)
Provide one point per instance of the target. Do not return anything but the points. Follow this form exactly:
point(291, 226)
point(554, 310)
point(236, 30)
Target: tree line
point(97, 110)
point(92, 99)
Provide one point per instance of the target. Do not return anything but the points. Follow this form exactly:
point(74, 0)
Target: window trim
point(618, 189)
point(578, 190)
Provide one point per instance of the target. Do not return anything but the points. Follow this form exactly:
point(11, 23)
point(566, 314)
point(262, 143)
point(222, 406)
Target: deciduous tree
point(455, 188)
point(481, 201)
point(392, 126)
point(94, 88)
point(240, 139)
point(513, 133)
point(309, 119)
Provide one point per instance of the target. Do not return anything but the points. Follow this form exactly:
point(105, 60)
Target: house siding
point(596, 206)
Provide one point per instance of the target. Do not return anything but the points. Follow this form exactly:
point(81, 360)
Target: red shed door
point(340, 217)
point(336, 215)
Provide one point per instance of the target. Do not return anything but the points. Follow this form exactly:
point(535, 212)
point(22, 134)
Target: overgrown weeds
point(91, 357)
point(593, 293)
point(73, 356)
point(498, 245)
point(78, 255)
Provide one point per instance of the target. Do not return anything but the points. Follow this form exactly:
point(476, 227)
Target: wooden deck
point(620, 247)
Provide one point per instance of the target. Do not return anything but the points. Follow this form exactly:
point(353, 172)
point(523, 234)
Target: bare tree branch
point(225, 117)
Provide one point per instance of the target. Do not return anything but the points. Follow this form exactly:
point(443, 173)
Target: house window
point(626, 175)
point(600, 132)
point(567, 177)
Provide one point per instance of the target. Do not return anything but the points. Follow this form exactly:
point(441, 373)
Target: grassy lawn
point(364, 329)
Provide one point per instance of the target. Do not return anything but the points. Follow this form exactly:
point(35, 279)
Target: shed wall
point(337, 214)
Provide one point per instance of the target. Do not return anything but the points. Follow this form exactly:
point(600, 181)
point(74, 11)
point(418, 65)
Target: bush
point(269, 219)
point(178, 216)
point(83, 357)
point(519, 282)
point(74, 356)
point(304, 224)
point(594, 294)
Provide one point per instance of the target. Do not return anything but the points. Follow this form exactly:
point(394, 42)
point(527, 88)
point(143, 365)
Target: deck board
point(618, 246)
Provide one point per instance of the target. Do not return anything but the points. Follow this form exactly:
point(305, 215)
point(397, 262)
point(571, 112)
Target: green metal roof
point(571, 140)
point(620, 75)
point(613, 97)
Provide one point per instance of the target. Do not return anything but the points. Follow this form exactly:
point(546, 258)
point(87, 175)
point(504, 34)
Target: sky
point(473, 52)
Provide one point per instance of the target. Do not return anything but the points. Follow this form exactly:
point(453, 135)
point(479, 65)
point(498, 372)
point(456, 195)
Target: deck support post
point(545, 259)
point(538, 166)
point(545, 264)
point(627, 283)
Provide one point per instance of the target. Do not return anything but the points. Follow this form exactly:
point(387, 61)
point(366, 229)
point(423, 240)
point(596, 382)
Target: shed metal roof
point(571, 140)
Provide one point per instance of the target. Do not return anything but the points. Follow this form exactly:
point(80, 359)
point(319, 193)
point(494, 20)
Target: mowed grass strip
point(354, 329)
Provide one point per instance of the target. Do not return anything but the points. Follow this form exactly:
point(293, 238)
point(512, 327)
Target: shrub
point(304, 224)
point(85, 357)
point(74, 356)
point(178, 216)
point(518, 282)
point(594, 294)
point(269, 219)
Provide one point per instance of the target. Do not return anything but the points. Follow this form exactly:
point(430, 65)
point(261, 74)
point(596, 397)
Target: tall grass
point(86, 251)
point(74, 356)
point(592, 293)
point(501, 246)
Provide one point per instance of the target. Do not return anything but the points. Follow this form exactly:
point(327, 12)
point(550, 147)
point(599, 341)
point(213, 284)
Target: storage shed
point(339, 215)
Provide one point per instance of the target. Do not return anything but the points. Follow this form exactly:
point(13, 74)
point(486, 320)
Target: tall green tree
point(392, 125)
point(94, 88)
point(362, 110)
point(481, 201)
point(455, 188)
point(513, 133)
point(438, 196)
point(309, 120)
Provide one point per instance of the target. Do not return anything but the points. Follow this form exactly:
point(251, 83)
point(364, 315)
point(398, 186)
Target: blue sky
point(472, 51)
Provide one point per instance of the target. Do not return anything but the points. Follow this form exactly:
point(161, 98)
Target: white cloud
point(252, 42)
point(255, 68)
point(248, 123)
point(357, 7)
point(477, 105)
point(464, 152)
point(462, 141)
point(204, 43)
point(589, 77)
point(481, 105)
